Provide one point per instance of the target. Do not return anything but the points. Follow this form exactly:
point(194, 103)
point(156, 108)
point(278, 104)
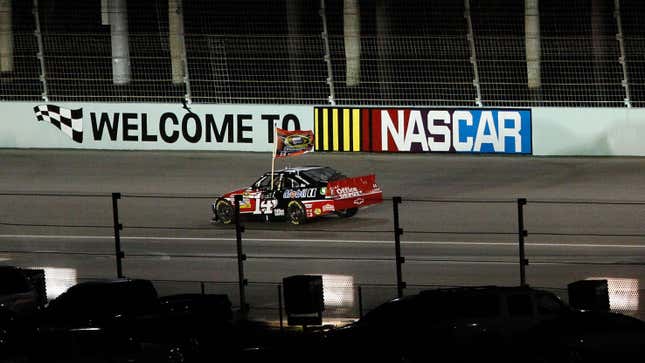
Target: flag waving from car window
point(290, 143)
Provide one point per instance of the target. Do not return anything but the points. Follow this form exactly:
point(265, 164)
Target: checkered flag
point(68, 121)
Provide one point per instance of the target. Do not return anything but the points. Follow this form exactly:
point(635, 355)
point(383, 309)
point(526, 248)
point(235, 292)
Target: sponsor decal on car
point(347, 192)
point(317, 211)
point(310, 211)
point(328, 208)
point(359, 201)
point(267, 206)
point(299, 194)
point(278, 212)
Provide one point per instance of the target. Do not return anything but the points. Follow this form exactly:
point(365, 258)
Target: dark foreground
point(125, 321)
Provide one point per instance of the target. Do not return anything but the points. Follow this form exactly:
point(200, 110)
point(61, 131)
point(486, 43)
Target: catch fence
point(440, 53)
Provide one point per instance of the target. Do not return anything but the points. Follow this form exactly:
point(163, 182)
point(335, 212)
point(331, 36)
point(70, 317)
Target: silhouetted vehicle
point(124, 321)
point(211, 306)
point(456, 324)
point(19, 296)
point(588, 336)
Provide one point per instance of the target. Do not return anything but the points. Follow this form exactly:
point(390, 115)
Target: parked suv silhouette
point(455, 323)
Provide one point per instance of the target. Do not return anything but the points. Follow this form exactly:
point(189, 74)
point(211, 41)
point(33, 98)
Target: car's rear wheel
point(176, 354)
point(296, 213)
point(4, 337)
point(225, 211)
point(346, 213)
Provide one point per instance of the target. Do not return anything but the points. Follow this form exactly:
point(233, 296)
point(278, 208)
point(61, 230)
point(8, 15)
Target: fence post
point(325, 36)
point(41, 51)
point(360, 301)
point(280, 306)
point(400, 284)
point(117, 235)
point(521, 233)
point(241, 257)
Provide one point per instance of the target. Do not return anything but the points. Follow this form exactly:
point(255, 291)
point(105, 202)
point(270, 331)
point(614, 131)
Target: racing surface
point(458, 214)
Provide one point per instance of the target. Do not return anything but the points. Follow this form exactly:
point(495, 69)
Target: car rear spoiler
point(359, 191)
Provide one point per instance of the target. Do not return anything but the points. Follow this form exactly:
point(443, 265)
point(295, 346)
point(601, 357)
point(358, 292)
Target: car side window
point(485, 306)
point(474, 306)
point(519, 305)
point(263, 182)
point(289, 183)
point(548, 304)
point(627, 323)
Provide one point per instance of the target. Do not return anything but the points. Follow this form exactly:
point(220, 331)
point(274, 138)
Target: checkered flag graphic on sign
point(70, 122)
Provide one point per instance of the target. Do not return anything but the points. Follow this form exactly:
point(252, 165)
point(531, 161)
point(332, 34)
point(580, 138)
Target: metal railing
point(259, 297)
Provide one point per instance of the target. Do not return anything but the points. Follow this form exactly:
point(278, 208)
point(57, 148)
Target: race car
point(299, 194)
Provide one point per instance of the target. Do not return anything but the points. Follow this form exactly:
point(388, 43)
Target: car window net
point(324, 175)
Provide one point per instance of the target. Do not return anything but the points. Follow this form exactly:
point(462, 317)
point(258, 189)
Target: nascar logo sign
point(506, 131)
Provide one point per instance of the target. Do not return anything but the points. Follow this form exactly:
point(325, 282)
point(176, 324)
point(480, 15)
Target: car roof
point(297, 169)
point(112, 282)
point(482, 289)
point(8, 268)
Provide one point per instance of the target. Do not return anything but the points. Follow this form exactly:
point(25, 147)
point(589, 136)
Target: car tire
point(572, 355)
point(176, 354)
point(225, 211)
point(296, 212)
point(346, 213)
point(4, 338)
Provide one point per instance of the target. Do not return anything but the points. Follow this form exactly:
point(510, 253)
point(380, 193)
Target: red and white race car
point(301, 193)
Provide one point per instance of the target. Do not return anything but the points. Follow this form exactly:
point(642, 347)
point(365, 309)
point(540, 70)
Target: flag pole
point(275, 147)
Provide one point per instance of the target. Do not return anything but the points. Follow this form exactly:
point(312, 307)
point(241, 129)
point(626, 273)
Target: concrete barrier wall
point(146, 126)
point(544, 131)
point(589, 131)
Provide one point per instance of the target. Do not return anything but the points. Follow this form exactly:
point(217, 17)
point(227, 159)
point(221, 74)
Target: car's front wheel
point(225, 211)
point(296, 213)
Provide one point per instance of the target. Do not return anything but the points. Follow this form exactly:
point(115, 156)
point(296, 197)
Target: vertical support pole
point(41, 51)
point(202, 287)
point(177, 42)
point(189, 95)
point(176, 39)
point(352, 37)
point(385, 43)
point(295, 48)
point(360, 301)
point(121, 73)
point(327, 57)
point(6, 36)
point(241, 257)
point(280, 307)
point(521, 234)
point(599, 47)
point(400, 284)
point(117, 235)
point(473, 54)
point(532, 43)
point(105, 12)
point(622, 60)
